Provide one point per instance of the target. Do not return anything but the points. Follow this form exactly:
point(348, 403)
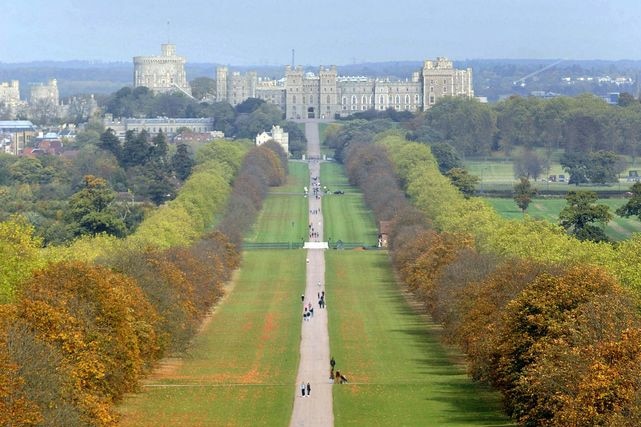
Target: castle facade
point(164, 73)
point(326, 95)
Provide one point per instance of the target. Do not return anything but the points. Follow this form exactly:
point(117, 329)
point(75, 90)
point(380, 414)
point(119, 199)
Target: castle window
point(311, 99)
point(353, 99)
point(363, 100)
point(398, 99)
point(294, 99)
point(381, 100)
point(416, 98)
point(431, 88)
point(431, 99)
point(344, 101)
point(329, 100)
point(353, 107)
point(407, 99)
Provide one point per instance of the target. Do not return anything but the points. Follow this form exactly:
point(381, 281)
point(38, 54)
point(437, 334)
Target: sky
point(322, 32)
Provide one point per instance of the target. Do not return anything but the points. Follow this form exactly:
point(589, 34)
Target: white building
point(278, 135)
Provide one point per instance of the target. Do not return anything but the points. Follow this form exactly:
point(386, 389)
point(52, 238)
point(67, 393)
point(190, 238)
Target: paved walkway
point(314, 410)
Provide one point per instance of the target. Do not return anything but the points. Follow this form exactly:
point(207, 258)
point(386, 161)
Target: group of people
point(305, 388)
point(308, 311)
point(316, 187)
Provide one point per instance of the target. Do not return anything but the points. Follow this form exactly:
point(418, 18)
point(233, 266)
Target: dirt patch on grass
point(168, 367)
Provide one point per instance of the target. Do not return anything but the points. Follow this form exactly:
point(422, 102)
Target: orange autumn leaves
point(77, 336)
point(562, 343)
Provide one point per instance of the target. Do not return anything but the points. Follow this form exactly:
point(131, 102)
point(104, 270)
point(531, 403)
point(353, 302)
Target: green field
point(498, 175)
point(549, 209)
point(399, 373)
point(344, 215)
point(285, 212)
point(242, 368)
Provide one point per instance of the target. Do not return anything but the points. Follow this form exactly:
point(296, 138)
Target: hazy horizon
point(262, 32)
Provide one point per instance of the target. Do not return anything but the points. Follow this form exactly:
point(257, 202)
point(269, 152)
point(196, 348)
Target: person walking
point(302, 389)
point(309, 389)
point(302, 297)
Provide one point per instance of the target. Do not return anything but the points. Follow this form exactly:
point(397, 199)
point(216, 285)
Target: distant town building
point(326, 94)
point(45, 93)
point(164, 73)
point(168, 125)
point(10, 99)
point(15, 135)
point(278, 135)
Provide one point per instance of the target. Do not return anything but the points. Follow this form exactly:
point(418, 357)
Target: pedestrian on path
point(309, 389)
point(302, 389)
point(302, 297)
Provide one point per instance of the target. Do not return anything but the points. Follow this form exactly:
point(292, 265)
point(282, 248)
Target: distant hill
point(493, 78)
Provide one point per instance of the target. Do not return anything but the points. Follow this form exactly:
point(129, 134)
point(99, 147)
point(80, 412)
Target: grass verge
point(241, 369)
point(399, 373)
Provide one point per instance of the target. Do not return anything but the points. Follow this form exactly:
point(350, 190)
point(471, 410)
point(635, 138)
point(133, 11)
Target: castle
point(326, 95)
point(164, 73)
point(303, 95)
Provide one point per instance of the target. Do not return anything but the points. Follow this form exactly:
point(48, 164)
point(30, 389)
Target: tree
point(446, 156)
point(580, 216)
point(625, 99)
point(633, 205)
point(201, 87)
point(136, 149)
point(462, 180)
point(91, 210)
point(182, 162)
point(110, 142)
point(523, 193)
point(576, 164)
point(249, 105)
point(528, 165)
point(603, 167)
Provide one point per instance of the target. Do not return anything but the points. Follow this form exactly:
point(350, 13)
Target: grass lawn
point(344, 215)
point(241, 370)
point(399, 373)
point(548, 209)
point(284, 216)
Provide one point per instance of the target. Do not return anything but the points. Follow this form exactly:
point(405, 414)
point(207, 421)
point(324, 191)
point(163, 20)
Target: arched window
point(407, 99)
point(294, 99)
point(353, 99)
point(364, 100)
point(329, 99)
point(398, 99)
point(381, 99)
point(303, 99)
point(311, 99)
point(344, 100)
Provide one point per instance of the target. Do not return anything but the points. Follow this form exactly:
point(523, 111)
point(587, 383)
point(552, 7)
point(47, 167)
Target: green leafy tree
point(584, 219)
point(201, 87)
point(576, 164)
point(633, 205)
point(136, 149)
point(446, 157)
point(625, 99)
point(523, 194)
point(182, 162)
point(528, 164)
point(158, 150)
point(463, 180)
point(603, 167)
point(110, 142)
point(91, 209)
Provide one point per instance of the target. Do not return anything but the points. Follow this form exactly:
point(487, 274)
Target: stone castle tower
point(164, 73)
